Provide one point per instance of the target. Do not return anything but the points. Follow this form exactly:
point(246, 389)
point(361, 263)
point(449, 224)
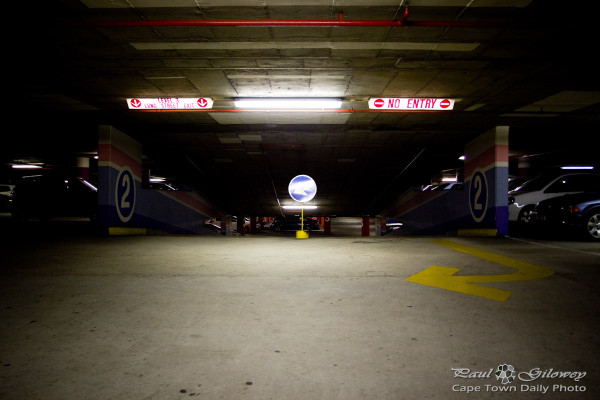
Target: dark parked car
point(47, 196)
point(292, 223)
point(5, 197)
point(574, 213)
point(522, 200)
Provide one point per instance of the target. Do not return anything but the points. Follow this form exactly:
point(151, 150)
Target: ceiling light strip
point(281, 45)
point(288, 103)
point(316, 111)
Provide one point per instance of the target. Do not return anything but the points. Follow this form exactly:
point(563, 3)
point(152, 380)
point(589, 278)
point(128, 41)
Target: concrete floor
point(273, 317)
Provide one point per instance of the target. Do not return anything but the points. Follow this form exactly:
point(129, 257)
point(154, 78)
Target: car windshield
point(514, 183)
point(537, 183)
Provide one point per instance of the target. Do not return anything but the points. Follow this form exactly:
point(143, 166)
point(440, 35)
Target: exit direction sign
point(170, 103)
point(411, 104)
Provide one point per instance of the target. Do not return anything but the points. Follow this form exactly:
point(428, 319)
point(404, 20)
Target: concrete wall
point(481, 206)
point(126, 207)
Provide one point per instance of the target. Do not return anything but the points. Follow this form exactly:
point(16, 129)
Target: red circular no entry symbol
point(202, 102)
point(379, 103)
point(135, 103)
point(445, 103)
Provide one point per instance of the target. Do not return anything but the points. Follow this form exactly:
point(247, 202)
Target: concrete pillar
point(226, 225)
point(253, 225)
point(381, 227)
point(241, 228)
point(365, 229)
point(327, 225)
point(119, 176)
point(523, 167)
point(83, 168)
point(124, 205)
point(486, 180)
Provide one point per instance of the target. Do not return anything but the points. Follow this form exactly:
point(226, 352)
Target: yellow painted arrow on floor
point(445, 278)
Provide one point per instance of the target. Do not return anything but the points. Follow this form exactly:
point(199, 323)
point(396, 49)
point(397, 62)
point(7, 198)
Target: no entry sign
point(411, 104)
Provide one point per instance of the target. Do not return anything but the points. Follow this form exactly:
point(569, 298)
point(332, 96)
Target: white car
point(6, 190)
point(522, 200)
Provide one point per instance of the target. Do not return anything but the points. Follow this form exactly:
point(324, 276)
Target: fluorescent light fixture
point(26, 166)
point(299, 207)
point(94, 188)
point(316, 103)
point(156, 180)
point(531, 115)
point(577, 167)
point(475, 107)
point(450, 179)
point(230, 140)
point(250, 138)
point(462, 158)
point(287, 45)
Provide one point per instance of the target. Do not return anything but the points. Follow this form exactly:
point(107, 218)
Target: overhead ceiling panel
point(565, 101)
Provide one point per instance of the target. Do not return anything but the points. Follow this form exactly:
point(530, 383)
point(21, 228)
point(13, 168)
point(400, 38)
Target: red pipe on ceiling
point(399, 23)
point(244, 22)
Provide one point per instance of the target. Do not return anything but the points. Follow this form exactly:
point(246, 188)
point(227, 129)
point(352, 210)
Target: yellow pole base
point(301, 235)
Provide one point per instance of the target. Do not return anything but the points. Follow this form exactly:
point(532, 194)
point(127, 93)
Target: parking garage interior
point(138, 256)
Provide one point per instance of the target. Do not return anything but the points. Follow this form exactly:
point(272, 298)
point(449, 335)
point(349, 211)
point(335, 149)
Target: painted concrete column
point(381, 226)
point(365, 229)
point(119, 176)
point(253, 225)
point(226, 225)
point(125, 207)
point(523, 167)
point(83, 168)
point(327, 225)
point(241, 228)
point(486, 180)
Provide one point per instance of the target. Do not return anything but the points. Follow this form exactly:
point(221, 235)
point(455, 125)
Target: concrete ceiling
point(523, 63)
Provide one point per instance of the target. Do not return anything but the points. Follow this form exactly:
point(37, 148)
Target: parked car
point(292, 223)
point(517, 181)
point(6, 197)
point(522, 200)
point(574, 214)
point(46, 196)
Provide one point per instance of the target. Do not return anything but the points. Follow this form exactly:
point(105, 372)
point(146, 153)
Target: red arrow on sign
point(202, 102)
point(379, 103)
point(135, 103)
point(445, 103)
